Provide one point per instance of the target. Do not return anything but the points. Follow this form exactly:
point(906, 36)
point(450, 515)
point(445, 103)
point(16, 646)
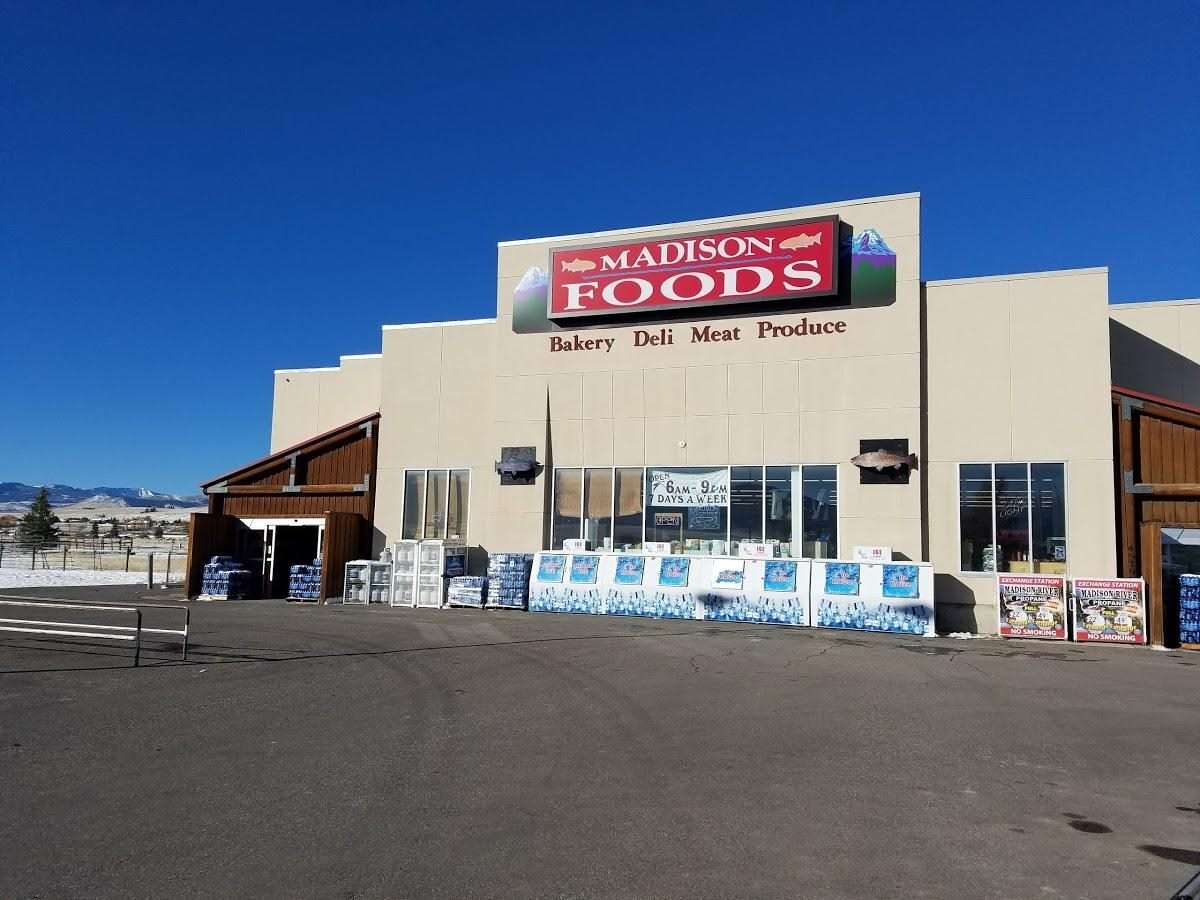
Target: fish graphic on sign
point(578, 265)
point(800, 241)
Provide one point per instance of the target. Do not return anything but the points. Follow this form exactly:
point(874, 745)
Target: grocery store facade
point(746, 360)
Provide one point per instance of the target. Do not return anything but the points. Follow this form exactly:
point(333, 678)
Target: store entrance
point(1180, 556)
point(291, 545)
point(250, 550)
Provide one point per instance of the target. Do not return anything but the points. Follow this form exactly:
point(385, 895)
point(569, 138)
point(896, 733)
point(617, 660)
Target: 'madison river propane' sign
point(743, 265)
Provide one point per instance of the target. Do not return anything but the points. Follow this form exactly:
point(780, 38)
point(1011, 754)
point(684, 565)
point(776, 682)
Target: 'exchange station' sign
point(778, 261)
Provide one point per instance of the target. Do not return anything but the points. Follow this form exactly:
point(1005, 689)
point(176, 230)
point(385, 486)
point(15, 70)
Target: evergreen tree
point(37, 526)
point(95, 529)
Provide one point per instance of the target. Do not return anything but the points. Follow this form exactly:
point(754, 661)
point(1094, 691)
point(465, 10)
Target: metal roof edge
point(718, 220)
point(1142, 304)
point(449, 324)
point(1018, 276)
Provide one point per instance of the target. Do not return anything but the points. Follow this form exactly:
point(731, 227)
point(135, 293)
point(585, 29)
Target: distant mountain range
point(16, 497)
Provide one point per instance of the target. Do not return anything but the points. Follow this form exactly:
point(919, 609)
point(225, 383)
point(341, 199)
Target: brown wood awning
point(330, 472)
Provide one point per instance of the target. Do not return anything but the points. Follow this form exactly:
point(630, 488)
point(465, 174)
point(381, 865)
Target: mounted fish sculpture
point(879, 460)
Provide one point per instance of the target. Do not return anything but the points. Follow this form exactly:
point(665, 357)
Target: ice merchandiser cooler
point(357, 576)
point(438, 561)
point(367, 581)
point(404, 573)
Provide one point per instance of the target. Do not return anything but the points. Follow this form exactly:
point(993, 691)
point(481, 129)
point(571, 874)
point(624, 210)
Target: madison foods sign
point(780, 261)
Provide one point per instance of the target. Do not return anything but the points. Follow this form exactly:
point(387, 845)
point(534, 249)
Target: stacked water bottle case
point(304, 582)
point(508, 580)
point(467, 590)
point(226, 577)
point(1189, 609)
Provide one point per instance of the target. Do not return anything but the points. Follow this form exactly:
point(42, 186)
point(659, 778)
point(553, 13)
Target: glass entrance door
point(1180, 556)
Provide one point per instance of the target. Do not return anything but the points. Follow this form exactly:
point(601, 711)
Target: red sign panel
point(779, 261)
point(1033, 606)
point(1111, 610)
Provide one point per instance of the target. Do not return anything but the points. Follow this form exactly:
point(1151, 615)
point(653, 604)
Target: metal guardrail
point(1190, 891)
point(95, 630)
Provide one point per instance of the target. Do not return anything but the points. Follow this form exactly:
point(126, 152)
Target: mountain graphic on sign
point(871, 243)
point(872, 268)
point(530, 297)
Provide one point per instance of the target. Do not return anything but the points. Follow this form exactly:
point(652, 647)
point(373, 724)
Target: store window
point(975, 517)
point(1048, 514)
point(629, 513)
point(688, 505)
point(435, 504)
point(700, 509)
point(746, 503)
point(598, 507)
point(782, 485)
point(568, 506)
point(1012, 517)
point(819, 538)
point(456, 504)
point(414, 505)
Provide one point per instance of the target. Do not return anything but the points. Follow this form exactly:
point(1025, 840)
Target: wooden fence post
point(128, 553)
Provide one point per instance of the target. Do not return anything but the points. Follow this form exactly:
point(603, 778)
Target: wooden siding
point(295, 505)
point(1158, 486)
point(347, 537)
point(208, 535)
point(344, 456)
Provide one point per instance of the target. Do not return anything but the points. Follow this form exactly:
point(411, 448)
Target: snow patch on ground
point(34, 578)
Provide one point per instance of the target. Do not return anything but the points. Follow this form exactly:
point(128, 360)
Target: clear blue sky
point(192, 195)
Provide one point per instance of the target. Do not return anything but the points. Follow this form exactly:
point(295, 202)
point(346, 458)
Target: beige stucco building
point(1001, 387)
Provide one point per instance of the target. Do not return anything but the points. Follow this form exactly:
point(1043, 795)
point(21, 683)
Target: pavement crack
point(808, 657)
point(966, 662)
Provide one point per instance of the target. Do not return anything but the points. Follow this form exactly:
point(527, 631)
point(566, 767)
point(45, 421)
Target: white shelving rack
point(437, 561)
point(404, 573)
point(367, 581)
point(354, 590)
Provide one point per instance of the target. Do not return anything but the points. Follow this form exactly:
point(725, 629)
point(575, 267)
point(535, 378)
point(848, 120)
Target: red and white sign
point(755, 550)
point(872, 554)
point(1033, 606)
point(1109, 610)
point(780, 261)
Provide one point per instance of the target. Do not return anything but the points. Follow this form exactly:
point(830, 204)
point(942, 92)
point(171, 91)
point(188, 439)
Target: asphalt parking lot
point(330, 752)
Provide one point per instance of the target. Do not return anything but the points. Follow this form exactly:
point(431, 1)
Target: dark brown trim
point(1150, 535)
point(1126, 502)
point(1156, 398)
point(1166, 490)
point(259, 490)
